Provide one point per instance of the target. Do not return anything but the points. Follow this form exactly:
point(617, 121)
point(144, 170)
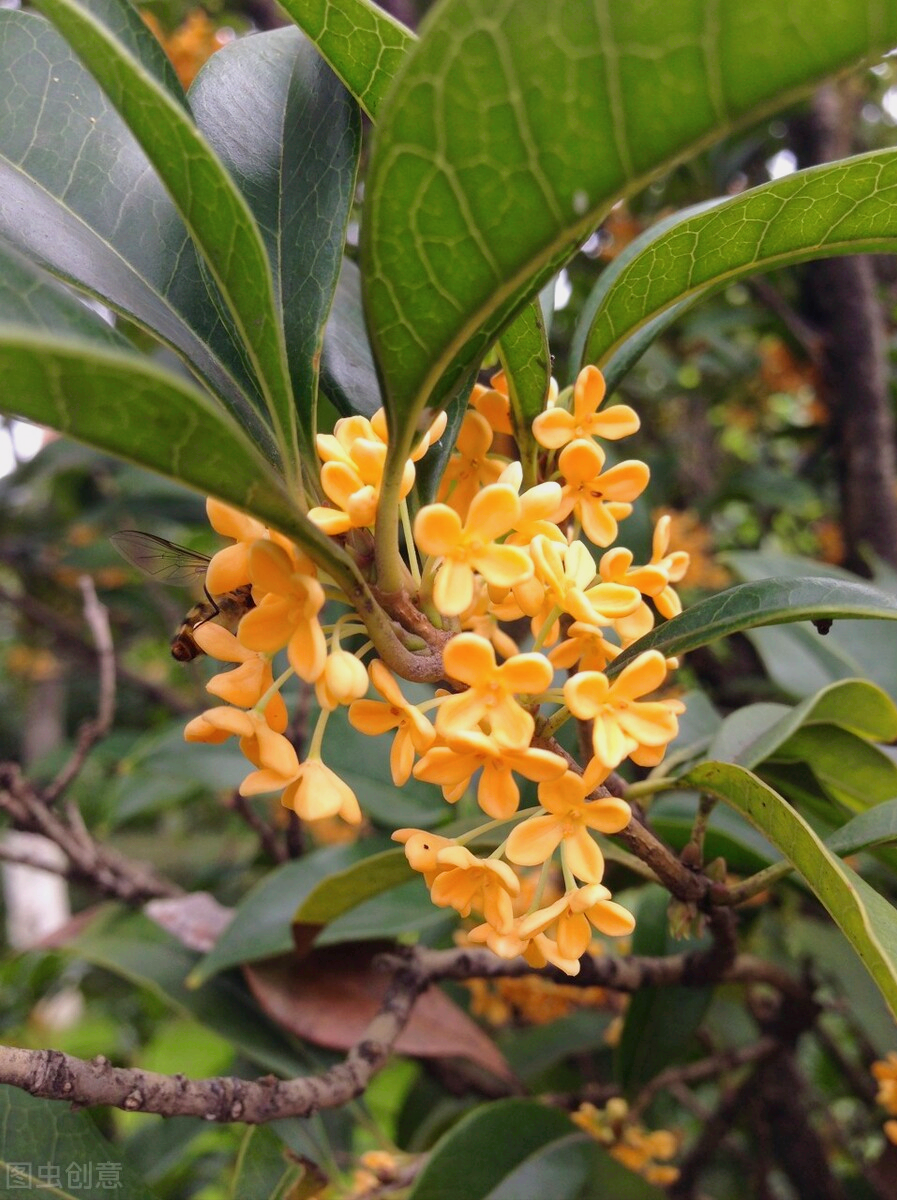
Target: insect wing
point(158, 558)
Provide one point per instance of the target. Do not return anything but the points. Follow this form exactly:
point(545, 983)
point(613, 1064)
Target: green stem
point(755, 884)
point(262, 704)
point(413, 563)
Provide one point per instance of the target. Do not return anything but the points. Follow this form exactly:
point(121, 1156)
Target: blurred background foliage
point(743, 439)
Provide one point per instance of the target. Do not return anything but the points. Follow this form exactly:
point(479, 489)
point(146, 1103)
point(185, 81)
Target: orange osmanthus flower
point(265, 749)
point(470, 468)
point(470, 882)
point(452, 766)
point(317, 793)
point(556, 426)
point(247, 683)
point(413, 731)
point(343, 680)
point(490, 690)
point(567, 820)
point(623, 725)
point(229, 568)
point(597, 497)
point(471, 546)
point(287, 613)
point(421, 850)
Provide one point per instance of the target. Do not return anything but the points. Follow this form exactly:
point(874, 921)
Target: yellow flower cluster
point(885, 1071)
point(489, 562)
point(629, 1142)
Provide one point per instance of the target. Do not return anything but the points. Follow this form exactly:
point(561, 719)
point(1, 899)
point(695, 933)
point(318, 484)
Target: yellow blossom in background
point(623, 725)
point(556, 426)
point(885, 1072)
point(629, 1142)
point(599, 499)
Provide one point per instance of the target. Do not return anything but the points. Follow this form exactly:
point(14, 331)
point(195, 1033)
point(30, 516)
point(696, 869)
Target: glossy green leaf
point(29, 296)
point(214, 211)
point(797, 658)
point(124, 22)
point(868, 921)
point(348, 375)
point(289, 133)
point(660, 1022)
point(843, 208)
point(767, 602)
point(346, 889)
point(262, 1171)
point(46, 1149)
point(853, 772)
point(125, 404)
point(132, 946)
point(405, 910)
point(758, 731)
point(526, 359)
point(512, 129)
point(478, 1153)
point(261, 924)
point(364, 45)
point(638, 341)
point(875, 827)
point(78, 195)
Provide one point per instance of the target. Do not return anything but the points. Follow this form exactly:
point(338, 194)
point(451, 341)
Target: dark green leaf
point(261, 925)
point(289, 134)
point(848, 768)
point(78, 195)
point(406, 909)
point(29, 296)
point(262, 1171)
point(867, 921)
point(798, 659)
point(123, 403)
point(501, 146)
point(348, 375)
point(47, 1149)
point(478, 1154)
point(767, 602)
point(127, 26)
point(345, 889)
point(526, 359)
point(843, 208)
point(659, 1022)
point(215, 213)
point(364, 45)
point(875, 827)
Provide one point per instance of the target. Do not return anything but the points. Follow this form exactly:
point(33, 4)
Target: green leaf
point(875, 827)
point(214, 211)
point(479, 1153)
point(261, 1170)
point(797, 659)
point(364, 45)
point(406, 909)
point(843, 208)
point(758, 731)
point(637, 343)
point(132, 946)
point(289, 133)
point(79, 196)
point(125, 404)
point(29, 296)
point(48, 1149)
point(659, 1022)
point(867, 921)
point(346, 889)
point(526, 359)
point(767, 602)
point(513, 128)
point(854, 773)
point(728, 835)
point(261, 924)
point(348, 375)
point(125, 24)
